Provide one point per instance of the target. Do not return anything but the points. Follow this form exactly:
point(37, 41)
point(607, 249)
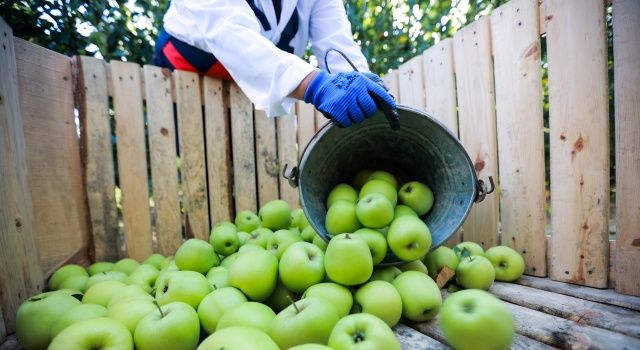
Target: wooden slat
point(305, 114)
point(320, 120)
point(391, 81)
point(266, 158)
point(54, 166)
point(613, 318)
point(218, 145)
point(440, 84)
point(20, 272)
point(11, 343)
point(477, 123)
point(287, 154)
point(192, 157)
point(244, 162)
point(518, 78)
point(411, 84)
point(626, 58)
point(579, 141)
point(3, 329)
point(410, 339)
point(162, 159)
point(99, 177)
point(132, 160)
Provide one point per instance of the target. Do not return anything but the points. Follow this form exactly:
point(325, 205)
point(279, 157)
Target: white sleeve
point(330, 28)
point(231, 32)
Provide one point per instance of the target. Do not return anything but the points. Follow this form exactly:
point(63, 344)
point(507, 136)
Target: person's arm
point(270, 77)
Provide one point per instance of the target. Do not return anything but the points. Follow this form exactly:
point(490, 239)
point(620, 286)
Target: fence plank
point(579, 142)
point(626, 51)
point(216, 102)
point(97, 156)
point(440, 85)
point(411, 83)
point(162, 158)
point(410, 339)
point(320, 120)
point(192, 158)
point(243, 148)
point(287, 154)
point(132, 160)
point(391, 81)
point(518, 78)
point(266, 158)
point(20, 272)
point(477, 123)
point(305, 114)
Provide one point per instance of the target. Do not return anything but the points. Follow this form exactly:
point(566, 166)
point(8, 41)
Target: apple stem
point(293, 303)
point(346, 236)
point(155, 302)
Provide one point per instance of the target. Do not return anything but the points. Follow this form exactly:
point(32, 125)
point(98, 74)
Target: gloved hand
point(376, 79)
point(346, 98)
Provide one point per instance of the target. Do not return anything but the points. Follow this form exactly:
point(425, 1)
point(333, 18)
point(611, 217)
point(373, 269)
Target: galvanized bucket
point(422, 149)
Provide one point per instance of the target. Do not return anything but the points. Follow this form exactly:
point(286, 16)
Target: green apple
point(421, 298)
point(380, 186)
point(238, 338)
point(155, 260)
point(310, 347)
point(307, 234)
point(102, 266)
point(224, 242)
point(304, 222)
point(374, 211)
point(381, 299)
point(320, 242)
point(475, 319)
point(247, 221)
point(214, 305)
point(388, 273)
point(409, 238)
point(309, 320)
point(132, 291)
point(218, 277)
point(65, 272)
point(385, 176)
point(129, 312)
point(296, 218)
point(337, 295)
point(255, 273)
point(301, 266)
point(508, 264)
point(362, 331)
point(415, 265)
point(275, 215)
point(295, 230)
point(376, 241)
point(348, 260)
point(260, 236)
point(243, 237)
point(107, 276)
point(96, 333)
point(38, 314)
point(280, 241)
point(281, 297)
point(361, 177)
point(439, 258)
point(173, 326)
point(145, 278)
point(225, 223)
point(75, 282)
point(196, 255)
point(186, 286)
point(472, 248)
point(342, 192)
point(101, 292)
point(383, 230)
point(229, 260)
point(249, 314)
point(341, 218)
point(126, 265)
point(224, 228)
point(168, 261)
point(403, 210)
point(248, 247)
point(475, 272)
point(416, 196)
point(76, 314)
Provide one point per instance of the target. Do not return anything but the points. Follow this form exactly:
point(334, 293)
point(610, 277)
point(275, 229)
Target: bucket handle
point(481, 189)
point(291, 175)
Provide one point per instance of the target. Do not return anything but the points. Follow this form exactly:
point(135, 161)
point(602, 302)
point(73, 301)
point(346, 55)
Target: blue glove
point(346, 98)
point(376, 79)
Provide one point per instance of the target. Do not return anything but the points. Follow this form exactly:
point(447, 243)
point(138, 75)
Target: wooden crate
point(192, 151)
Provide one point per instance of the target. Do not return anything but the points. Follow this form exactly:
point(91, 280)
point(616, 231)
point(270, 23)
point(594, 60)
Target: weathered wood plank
point(132, 159)
point(287, 154)
point(20, 271)
point(305, 114)
point(216, 122)
point(192, 157)
point(410, 339)
point(411, 84)
point(163, 159)
point(391, 81)
point(320, 120)
point(266, 158)
point(626, 58)
point(11, 343)
point(518, 78)
point(3, 329)
point(243, 148)
point(606, 296)
point(579, 141)
point(477, 122)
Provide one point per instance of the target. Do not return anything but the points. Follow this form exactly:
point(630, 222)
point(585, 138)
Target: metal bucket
point(422, 149)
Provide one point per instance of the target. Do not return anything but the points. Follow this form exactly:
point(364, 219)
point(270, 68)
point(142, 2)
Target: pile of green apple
point(265, 281)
